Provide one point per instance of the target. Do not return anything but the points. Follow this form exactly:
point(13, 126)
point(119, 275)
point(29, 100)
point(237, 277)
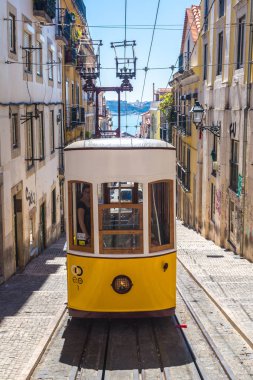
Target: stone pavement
point(224, 276)
point(31, 304)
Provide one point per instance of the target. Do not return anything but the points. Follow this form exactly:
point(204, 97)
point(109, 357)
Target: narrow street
point(214, 307)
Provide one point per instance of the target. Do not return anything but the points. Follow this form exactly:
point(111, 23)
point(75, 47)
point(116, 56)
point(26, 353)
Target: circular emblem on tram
point(122, 284)
point(76, 270)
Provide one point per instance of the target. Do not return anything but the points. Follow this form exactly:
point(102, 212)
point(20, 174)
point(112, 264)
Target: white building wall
point(18, 93)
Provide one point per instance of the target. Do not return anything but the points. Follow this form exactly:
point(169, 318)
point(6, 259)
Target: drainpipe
point(245, 126)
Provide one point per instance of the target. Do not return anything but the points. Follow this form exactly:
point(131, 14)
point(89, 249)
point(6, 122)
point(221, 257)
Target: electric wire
point(150, 48)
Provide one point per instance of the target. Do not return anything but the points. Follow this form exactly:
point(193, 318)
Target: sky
point(166, 43)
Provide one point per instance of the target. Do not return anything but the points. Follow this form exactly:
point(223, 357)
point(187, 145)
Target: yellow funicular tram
point(121, 255)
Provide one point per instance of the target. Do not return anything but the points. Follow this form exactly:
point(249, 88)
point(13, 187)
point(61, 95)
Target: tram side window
point(120, 217)
point(161, 215)
point(80, 227)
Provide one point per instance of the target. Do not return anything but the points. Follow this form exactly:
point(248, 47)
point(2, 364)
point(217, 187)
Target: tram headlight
point(122, 284)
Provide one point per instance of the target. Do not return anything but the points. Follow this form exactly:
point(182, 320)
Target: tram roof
point(119, 143)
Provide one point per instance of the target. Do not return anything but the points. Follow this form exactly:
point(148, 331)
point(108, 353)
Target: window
point(12, 33)
point(214, 155)
point(41, 136)
point(14, 130)
point(39, 58)
point(52, 142)
point(220, 53)
point(221, 8)
point(31, 232)
point(50, 65)
point(29, 141)
point(53, 206)
point(205, 61)
point(81, 216)
point(161, 216)
point(206, 11)
point(73, 93)
point(59, 66)
point(234, 163)
point(27, 52)
point(77, 94)
point(240, 42)
point(120, 217)
point(213, 202)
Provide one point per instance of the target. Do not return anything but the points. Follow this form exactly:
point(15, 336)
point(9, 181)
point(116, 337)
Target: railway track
point(150, 349)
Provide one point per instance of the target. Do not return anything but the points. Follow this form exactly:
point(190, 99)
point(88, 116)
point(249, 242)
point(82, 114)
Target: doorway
point(42, 226)
point(18, 229)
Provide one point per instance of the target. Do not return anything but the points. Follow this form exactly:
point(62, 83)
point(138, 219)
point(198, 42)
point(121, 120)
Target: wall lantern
point(197, 112)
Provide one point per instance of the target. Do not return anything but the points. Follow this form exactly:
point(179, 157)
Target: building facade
point(31, 131)
point(224, 173)
point(185, 85)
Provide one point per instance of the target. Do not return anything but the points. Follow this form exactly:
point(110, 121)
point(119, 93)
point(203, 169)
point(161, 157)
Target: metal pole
point(97, 134)
point(119, 134)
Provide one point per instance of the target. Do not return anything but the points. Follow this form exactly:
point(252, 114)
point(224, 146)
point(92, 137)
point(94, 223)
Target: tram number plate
point(77, 272)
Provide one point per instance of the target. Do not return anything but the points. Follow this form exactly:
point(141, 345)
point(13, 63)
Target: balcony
point(183, 177)
point(44, 10)
point(63, 22)
point(75, 115)
point(81, 8)
point(184, 125)
point(184, 62)
point(70, 55)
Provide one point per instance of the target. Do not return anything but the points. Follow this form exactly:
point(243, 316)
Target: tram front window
point(81, 215)
point(120, 217)
point(161, 215)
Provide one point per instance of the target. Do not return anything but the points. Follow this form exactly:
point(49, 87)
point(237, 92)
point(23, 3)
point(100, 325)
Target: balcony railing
point(184, 62)
point(183, 176)
point(44, 9)
point(81, 8)
point(184, 125)
point(63, 22)
point(70, 55)
point(166, 132)
point(75, 115)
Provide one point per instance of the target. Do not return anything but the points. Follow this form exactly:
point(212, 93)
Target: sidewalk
point(31, 304)
point(224, 276)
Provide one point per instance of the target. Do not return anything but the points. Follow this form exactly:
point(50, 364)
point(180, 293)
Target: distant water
point(128, 123)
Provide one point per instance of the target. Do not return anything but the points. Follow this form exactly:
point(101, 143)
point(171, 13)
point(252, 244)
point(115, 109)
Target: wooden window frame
point(139, 232)
point(52, 132)
point(220, 53)
point(73, 247)
point(14, 131)
point(240, 42)
point(171, 245)
point(12, 33)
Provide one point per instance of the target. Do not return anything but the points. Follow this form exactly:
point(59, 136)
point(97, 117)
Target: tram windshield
point(120, 217)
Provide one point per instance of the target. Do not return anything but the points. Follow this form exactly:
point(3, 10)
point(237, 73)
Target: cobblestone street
point(31, 303)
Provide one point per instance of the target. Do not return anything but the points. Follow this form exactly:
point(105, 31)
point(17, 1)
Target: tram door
point(43, 226)
point(18, 228)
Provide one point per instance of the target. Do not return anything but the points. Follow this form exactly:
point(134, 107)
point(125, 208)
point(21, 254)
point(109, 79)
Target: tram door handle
point(165, 266)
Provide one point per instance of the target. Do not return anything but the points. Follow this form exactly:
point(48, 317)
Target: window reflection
point(160, 213)
point(81, 214)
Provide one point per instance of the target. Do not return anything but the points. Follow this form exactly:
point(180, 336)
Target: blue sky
point(166, 44)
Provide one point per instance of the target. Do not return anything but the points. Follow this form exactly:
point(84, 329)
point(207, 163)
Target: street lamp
point(197, 112)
